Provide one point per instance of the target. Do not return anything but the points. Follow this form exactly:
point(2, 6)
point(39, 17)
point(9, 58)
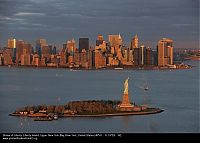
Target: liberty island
point(90, 108)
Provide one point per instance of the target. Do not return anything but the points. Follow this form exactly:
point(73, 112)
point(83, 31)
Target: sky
point(60, 20)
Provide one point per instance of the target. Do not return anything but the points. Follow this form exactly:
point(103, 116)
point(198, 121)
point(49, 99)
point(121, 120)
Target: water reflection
point(127, 121)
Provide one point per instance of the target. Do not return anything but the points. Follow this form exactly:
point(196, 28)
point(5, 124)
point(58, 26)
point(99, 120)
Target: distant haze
point(61, 20)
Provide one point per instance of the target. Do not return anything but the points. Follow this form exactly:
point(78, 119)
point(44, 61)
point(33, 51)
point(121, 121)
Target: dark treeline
point(81, 107)
point(93, 106)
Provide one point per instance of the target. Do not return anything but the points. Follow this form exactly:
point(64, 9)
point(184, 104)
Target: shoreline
point(153, 111)
point(104, 68)
point(118, 114)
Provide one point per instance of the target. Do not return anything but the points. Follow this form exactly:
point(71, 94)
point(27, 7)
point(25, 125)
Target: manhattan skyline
point(58, 21)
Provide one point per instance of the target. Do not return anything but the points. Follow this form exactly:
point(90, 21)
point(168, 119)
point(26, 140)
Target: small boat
point(146, 87)
point(55, 117)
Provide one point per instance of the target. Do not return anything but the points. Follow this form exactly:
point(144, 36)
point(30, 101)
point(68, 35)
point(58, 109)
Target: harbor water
point(174, 91)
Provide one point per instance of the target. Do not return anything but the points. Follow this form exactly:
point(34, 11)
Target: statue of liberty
point(126, 86)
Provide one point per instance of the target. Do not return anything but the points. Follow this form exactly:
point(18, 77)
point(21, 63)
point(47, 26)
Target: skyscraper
point(19, 50)
point(115, 40)
point(100, 59)
point(135, 42)
point(11, 43)
point(142, 55)
point(165, 52)
point(99, 40)
point(83, 44)
point(148, 56)
point(7, 54)
point(25, 57)
point(39, 44)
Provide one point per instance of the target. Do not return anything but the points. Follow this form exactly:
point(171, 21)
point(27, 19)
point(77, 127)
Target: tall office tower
point(36, 60)
point(154, 57)
point(84, 59)
point(76, 58)
point(91, 58)
point(99, 40)
point(136, 56)
point(39, 44)
point(100, 59)
point(46, 51)
point(7, 56)
point(11, 43)
point(83, 44)
point(130, 56)
point(125, 56)
point(100, 44)
point(1, 57)
point(19, 50)
point(71, 47)
point(115, 40)
point(26, 53)
point(142, 55)
point(148, 55)
point(63, 57)
point(54, 50)
point(25, 57)
point(135, 42)
point(165, 52)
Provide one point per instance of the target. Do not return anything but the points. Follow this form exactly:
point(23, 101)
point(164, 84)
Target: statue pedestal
point(125, 105)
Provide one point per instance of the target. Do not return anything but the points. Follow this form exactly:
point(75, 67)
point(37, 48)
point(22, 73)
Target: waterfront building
point(114, 62)
point(109, 60)
point(1, 57)
point(63, 57)
point(21, 45)
point(101, 47)
point(46, 52)
point(91, 58)
point(136, 56)
point(165, 52)
point(25, 58)
point(142, 55)
point(76, 59)
point(154, 57)
point(112, 51)
point(84, 59)
point(119, 54)
point(11, 43)
point(83, 44)
point(130, 56)
point(54, 52)
point(71, 48)
point(43, 62)
point(100, 59)
point(7, 56)
point(125, 56)
point(39, 44)
point(36, 60)
point(148, 55)
point(19, 50)
point(54, 59)
point(135, 42)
